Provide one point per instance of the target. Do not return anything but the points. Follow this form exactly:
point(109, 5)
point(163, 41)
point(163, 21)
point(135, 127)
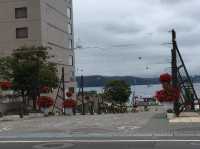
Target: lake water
point(143, 90)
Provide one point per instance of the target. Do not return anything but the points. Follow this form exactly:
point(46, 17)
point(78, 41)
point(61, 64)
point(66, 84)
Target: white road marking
point(4, 129)
point(128, 127)
point(53, 145)
point(96, 141)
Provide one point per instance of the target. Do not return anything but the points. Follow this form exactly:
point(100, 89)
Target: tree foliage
point(117, 91)
point(31, 68)
point(5, 68)
point(28, 68)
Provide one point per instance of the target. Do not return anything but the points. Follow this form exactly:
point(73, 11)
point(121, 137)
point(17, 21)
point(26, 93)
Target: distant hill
point(97, 80)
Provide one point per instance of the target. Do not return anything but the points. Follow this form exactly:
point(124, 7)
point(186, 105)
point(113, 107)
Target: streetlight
point(82, 92)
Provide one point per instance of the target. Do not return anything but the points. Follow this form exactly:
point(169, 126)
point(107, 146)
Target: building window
point(22, 32)
point(70, 44)
point(69, 28)
point(71, 60)
point(69, 13)
point(20, 12)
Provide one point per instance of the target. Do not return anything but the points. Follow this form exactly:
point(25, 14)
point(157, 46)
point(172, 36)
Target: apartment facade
point(40, 22)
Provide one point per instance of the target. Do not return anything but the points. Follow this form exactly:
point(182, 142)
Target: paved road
point(108, 124)
point(106, 144)
point(124, 125)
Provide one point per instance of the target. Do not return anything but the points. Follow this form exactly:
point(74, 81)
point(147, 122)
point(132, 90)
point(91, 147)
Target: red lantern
point(69, 103)
point(6, 85)
point(45, 101)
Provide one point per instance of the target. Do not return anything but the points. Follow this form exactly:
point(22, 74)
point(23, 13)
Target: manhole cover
point(53, 146)
point(195, 143)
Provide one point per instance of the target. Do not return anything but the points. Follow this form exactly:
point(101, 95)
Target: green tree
point(5, 68)
point(29, 69)
point(117, 91)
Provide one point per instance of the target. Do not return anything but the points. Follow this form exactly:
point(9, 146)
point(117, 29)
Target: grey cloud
point(172, 2)
point(142, 23)
point(123, 28)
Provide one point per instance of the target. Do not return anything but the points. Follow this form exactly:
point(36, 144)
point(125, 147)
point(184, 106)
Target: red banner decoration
point(69, 103)
point(45, 101)
point(6, 85)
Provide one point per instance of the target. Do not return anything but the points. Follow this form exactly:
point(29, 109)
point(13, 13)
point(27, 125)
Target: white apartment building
point(40, 22)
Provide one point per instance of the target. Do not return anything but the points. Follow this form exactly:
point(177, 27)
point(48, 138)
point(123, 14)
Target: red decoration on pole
point(168, 93)
point(164, 96)
point(44, 101)
point(69, 103)
point(165, 77)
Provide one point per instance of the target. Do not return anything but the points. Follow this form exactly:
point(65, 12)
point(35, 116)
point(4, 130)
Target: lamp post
point(82, 93)
point(60, 61)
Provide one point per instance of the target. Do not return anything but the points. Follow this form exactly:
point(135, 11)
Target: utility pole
point(174, 61)
point(174, 70)
point(37, 93)
point(63, 85)
point(82, 95)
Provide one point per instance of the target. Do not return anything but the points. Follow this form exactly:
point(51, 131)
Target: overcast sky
point(125, 37)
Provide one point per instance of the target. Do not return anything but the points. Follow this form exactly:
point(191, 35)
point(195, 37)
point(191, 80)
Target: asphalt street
point(145, 130)
point(106, 144)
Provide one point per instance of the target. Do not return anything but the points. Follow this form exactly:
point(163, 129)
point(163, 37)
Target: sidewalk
point(186, 117)
point(159, 125)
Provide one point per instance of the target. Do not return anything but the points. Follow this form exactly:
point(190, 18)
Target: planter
point(7, 92)
point(167, 105)
point(45, 101)
point(196, 107)
point(68, 106)
point(68, 111)
point(170, 115)
point(45, 111)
